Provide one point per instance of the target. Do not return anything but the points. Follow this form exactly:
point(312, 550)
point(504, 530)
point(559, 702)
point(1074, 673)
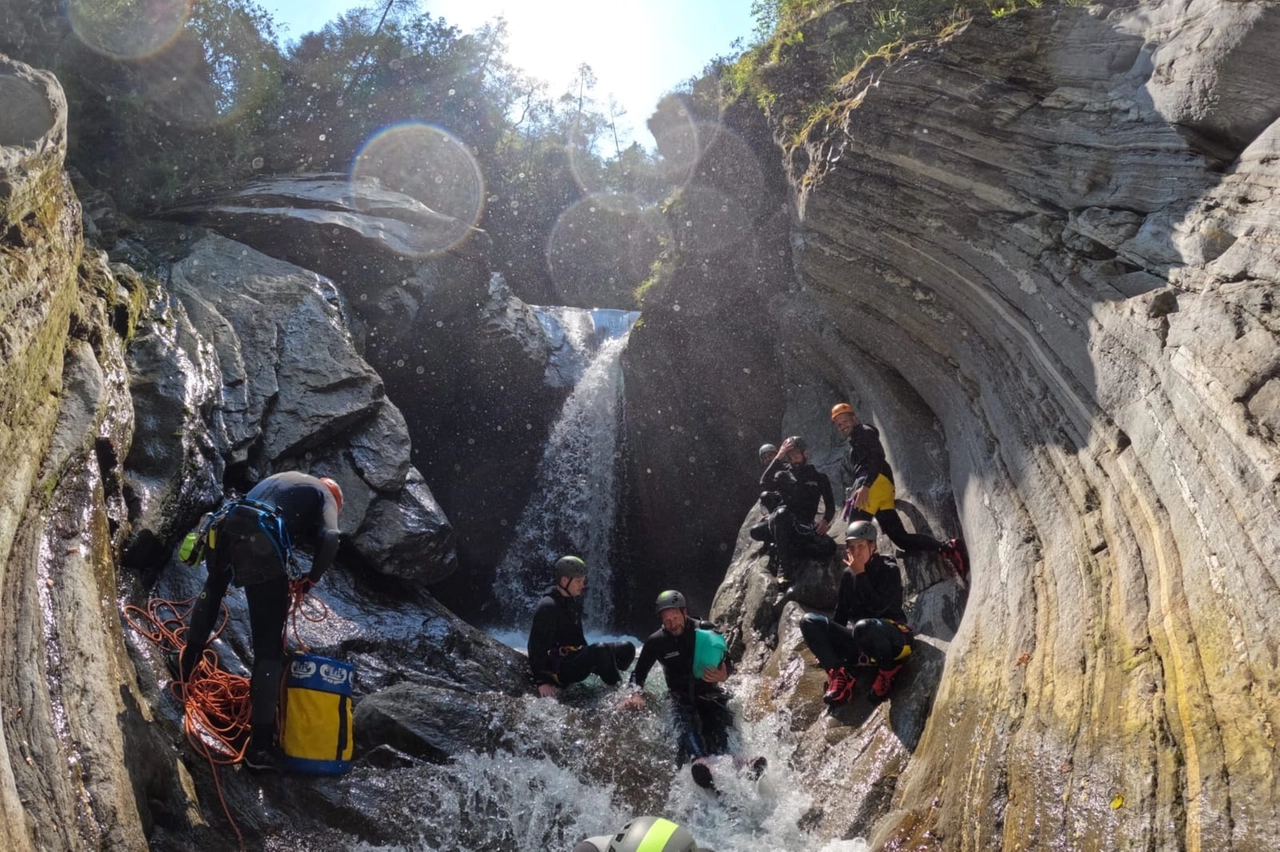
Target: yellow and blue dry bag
point(317, 736)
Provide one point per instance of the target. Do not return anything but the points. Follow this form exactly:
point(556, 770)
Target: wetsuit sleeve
point(844, 598)
point(888, 594)
point(648, 656)
point(828, 502)
point(766, 478)
point(540, 640)
point(327, 537)
point(866, 456)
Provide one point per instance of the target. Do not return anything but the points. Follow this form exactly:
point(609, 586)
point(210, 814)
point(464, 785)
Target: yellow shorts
point(881, 495)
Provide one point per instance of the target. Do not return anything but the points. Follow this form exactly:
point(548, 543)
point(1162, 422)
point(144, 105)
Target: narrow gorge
point(1040, 252)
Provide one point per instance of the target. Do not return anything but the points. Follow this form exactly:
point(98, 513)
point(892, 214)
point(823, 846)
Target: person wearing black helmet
point(648, 833)
point(870, 596)
point(870, 491)
point(793, 527)
point(700, 705)
point(558, 651)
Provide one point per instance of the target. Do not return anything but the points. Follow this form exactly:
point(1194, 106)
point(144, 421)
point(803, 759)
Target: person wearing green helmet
point(870, 597)
point(558, 651)
point(644, 834)
point(699, 704)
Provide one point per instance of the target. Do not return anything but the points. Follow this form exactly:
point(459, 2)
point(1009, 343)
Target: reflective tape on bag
point(318, 719)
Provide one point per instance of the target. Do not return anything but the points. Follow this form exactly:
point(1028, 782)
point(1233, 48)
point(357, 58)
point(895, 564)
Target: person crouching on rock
point(253, 541)
point(558, 651)
point(871, 597)
point(701, 707)
point(802, 488)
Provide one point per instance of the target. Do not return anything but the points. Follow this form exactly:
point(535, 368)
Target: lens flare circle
point(431, 166)
point(129, 30)
point(603, 244)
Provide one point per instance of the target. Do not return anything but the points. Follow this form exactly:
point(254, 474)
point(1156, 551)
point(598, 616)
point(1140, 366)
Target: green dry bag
point(708, 651)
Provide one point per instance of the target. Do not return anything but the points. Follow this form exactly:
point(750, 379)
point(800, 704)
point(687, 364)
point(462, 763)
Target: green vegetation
point(806, 50)
point(158, 122)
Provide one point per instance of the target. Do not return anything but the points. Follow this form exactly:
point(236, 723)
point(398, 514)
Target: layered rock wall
point(70, 704)
point(1056, 234)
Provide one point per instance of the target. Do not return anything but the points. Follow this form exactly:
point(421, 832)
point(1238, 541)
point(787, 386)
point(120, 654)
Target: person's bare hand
point(821, 526)
point(634, 701)
point(548, 690)
point(860, 497)
point(719, 674)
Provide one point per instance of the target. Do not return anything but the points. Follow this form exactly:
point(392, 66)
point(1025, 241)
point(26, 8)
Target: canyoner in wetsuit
point(870, 596)
point(252, 542)
point(699, 704)
point(801, 488)
point(870, 491)
point(558, 651)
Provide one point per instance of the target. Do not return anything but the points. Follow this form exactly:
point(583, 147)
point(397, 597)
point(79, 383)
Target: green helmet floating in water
point(570, 566)
point(653, 834)
point(670, 599)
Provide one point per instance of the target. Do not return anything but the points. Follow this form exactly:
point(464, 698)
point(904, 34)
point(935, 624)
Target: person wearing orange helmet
point(252, 545)
point(870, 492)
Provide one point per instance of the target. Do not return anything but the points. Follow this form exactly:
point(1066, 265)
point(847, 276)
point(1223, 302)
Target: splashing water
point(581, 768)
point(572, 507)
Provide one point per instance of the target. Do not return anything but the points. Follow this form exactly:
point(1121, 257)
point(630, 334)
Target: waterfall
point(572, 507)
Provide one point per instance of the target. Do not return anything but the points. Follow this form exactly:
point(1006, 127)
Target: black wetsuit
point(701, 709)
point(802, 488)
point(558, 651)
point(873, 602)
point(244, 553)
point(864, 461)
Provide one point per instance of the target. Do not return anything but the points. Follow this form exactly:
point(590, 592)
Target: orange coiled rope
point(216, 707)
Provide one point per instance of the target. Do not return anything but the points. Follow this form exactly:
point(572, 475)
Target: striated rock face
point(70, 704)
point(1053, 239)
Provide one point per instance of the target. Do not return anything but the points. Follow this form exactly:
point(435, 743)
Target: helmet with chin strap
point(570, 567)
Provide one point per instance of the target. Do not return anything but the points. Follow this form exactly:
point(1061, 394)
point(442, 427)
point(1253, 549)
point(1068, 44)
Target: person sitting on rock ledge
point(792, 526)
point(871, 597)
point(870, 492)
point(558, 651)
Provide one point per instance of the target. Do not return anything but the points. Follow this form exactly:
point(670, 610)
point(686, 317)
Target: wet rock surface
point(245, 358)
point(460, 355)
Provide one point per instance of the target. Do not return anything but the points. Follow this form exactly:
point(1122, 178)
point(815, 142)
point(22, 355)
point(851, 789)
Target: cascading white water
point(570, 770)
point(573, 502)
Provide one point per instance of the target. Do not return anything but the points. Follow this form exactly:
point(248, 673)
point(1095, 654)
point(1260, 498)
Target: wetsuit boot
point(264, 696)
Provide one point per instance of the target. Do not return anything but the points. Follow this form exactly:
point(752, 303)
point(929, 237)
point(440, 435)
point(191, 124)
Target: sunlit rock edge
point(1053, 240)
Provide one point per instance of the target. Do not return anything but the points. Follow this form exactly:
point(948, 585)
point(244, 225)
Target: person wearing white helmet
point(869, 599)
point(644, 834)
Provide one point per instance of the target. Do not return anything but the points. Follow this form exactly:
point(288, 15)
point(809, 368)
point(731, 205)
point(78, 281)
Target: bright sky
point(638, 49)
